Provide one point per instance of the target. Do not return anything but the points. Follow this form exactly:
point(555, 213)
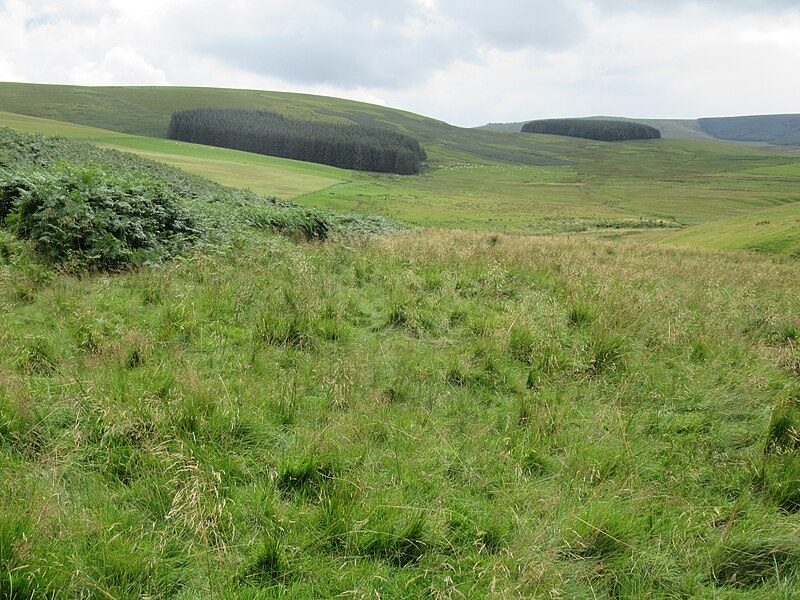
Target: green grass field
point(425, 416)
point(627, 186)
point(435, 414)
point(773, 231)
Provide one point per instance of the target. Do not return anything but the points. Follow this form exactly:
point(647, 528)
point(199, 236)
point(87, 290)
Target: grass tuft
point(601, 531)
point(393, 536)
point(752, 561)
point(269, 566)
point(305, 477)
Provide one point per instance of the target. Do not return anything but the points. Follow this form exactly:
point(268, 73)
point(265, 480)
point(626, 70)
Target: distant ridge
point(780, 130)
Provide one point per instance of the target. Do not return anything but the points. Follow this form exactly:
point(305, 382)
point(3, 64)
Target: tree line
point(345, 146)
point(593, 129)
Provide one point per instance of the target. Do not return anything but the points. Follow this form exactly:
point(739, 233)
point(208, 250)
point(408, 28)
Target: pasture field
point(774, 231)
point(580, 186)
point(433, 415)
point(632, 186)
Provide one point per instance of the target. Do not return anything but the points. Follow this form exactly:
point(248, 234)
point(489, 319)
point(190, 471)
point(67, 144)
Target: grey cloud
point(361, 43)
point(512, 24)
point(356, 44)
point(376, 57)
point(747, 6)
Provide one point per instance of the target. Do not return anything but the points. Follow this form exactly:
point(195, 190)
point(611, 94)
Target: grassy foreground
point(440, 415)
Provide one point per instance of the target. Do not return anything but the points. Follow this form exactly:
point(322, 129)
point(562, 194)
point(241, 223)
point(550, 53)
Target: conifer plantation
point(345, 146)
point(593, 129)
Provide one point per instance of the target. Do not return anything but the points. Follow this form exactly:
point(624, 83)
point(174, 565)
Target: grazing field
point(630, 186)
point(474, 179)
point(774, 231)
point(434, 415)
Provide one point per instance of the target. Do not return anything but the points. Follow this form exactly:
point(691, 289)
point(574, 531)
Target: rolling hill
point(440, 414)
point(780, 130)
point(146, 111)
point(474, 179)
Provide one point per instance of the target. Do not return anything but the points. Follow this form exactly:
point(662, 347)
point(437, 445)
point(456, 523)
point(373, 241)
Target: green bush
point(88, 218)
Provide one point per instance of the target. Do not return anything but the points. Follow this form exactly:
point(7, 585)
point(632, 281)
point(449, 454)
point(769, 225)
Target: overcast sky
point(467, 62)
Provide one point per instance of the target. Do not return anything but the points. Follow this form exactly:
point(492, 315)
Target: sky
point(467, 62)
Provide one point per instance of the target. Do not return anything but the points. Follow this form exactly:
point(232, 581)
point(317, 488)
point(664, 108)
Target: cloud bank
point(463, 61)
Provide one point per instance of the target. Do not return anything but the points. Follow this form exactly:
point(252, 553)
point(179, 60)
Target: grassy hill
point(146, 111)
point(442, 414)
point(781, 130)
point(475, 179)
point(773, 231)
point(264, 175)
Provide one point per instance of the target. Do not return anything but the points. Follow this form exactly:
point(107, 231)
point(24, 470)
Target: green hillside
point(781, 130)
point(773, 231)
point(262, 174)
point(474, 179)
point(276, 405)
point(146, 111)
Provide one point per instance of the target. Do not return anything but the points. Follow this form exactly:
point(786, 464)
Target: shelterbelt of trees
point(345, 146)
point(593, 129)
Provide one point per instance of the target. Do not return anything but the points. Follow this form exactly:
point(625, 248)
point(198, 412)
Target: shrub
point(89, 218)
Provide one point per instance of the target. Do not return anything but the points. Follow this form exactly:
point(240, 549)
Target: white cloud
point(459, 60)
point(119, 66)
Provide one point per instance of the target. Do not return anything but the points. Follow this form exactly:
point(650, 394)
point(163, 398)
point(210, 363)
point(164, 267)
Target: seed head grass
point(440, 415)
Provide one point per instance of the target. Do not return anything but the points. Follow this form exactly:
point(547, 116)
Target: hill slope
point(781, 130)
point(773, 231)
point(146, 111)
point(265, 175)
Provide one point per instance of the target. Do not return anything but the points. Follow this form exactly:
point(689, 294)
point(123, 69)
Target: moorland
point(542, 367)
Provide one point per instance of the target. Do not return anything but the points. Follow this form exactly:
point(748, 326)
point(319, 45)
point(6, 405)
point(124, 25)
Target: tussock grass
point(578, 418)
